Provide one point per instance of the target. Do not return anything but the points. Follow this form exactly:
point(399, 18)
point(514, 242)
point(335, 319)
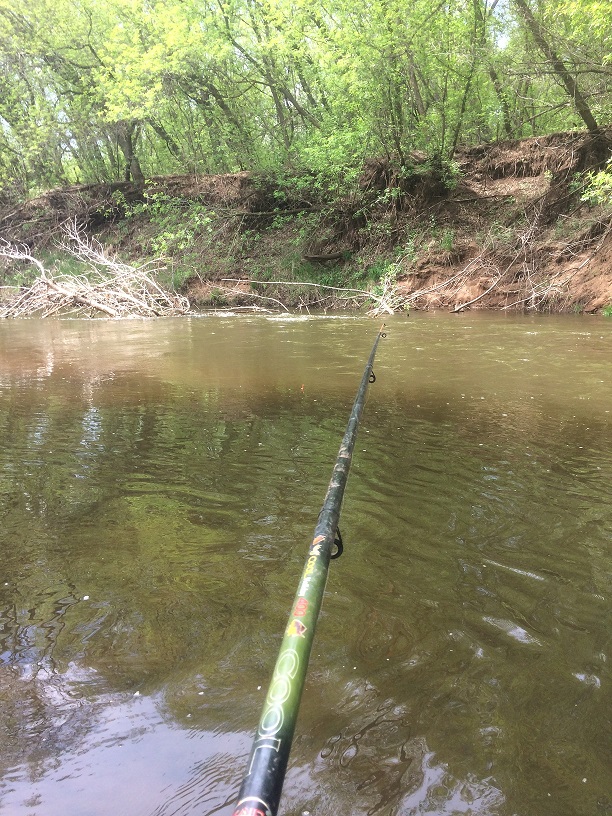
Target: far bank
point(508, 226)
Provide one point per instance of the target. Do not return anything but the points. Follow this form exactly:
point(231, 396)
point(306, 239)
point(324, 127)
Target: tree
point(558, 65)
point(94, 90)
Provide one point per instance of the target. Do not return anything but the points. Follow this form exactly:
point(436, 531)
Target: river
point(159, 485)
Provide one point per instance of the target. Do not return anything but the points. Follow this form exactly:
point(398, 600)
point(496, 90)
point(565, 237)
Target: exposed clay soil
point(513, 233)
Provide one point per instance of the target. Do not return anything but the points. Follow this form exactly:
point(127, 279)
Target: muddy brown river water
point(159, 485)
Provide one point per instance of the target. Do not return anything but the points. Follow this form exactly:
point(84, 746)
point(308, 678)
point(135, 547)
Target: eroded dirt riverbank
point(503, 227)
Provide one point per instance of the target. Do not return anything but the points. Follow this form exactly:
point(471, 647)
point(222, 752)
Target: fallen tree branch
point(541, 291)
point(476, 299)
point(81, 299)
point(331, 256)
point(236, 291)
point(107, 285)
point(381, 301)
point(363, 292)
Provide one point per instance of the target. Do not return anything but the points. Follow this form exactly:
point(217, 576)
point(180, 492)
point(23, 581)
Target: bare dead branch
point(107, 285)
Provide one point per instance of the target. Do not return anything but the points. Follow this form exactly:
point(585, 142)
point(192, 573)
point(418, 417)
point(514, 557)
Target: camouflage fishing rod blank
point(262, 785)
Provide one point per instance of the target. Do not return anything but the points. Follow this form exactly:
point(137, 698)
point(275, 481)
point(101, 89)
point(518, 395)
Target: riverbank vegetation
point(453, 155)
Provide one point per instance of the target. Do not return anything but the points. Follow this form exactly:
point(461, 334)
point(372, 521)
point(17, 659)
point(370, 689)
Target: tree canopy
point(101, 90)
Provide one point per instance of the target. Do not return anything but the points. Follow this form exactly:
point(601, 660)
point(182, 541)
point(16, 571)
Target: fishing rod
point(263, 782)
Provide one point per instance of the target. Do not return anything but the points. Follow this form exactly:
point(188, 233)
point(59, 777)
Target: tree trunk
point(497, 85)
point(165, 136)
point(481, 16)
point(125, 140)
point(557, 63)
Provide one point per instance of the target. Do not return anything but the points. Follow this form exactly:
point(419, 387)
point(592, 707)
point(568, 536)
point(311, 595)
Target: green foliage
point(598, 188)
point(23, 273)
point(376, 272)
point(218, 298)
point(103, 90)
point(447, 240)
point(499, 235)
point(445, 169)
point(176, 222)
point(607, 310)
point(386, 275)
point(17, 276)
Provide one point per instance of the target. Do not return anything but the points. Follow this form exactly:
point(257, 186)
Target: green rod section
point(261, 787)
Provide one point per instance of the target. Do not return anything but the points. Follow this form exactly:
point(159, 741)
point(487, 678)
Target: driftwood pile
point(107, 286)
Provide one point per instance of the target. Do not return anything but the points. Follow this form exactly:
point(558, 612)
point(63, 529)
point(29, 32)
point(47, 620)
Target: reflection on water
point(159, 482)
point(114, 754)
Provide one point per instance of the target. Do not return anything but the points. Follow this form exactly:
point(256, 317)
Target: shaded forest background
point(335, 133)
point(103, 90)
